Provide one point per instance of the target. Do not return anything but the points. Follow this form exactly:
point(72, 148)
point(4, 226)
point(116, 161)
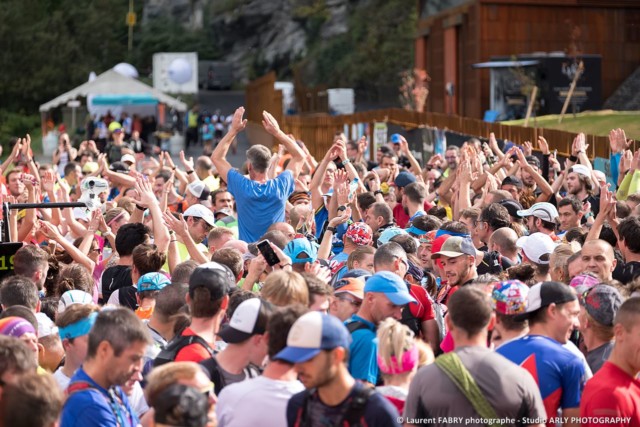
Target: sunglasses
point(350, 301)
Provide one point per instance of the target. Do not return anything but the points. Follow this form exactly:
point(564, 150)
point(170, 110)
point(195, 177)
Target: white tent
point(113, 83)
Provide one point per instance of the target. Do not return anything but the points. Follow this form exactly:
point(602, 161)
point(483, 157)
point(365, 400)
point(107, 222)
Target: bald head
point(598, 258)
point(504, 240)
point(285, 228)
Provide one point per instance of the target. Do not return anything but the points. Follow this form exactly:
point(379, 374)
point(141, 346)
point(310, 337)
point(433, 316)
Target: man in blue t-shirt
point(260, 201)
point(552, 311)
point(117, 344)
point(385, 294)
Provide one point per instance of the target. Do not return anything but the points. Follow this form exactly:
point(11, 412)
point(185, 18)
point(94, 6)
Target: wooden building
point(451, 40)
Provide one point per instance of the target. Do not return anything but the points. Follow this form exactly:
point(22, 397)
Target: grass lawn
point(591, 122)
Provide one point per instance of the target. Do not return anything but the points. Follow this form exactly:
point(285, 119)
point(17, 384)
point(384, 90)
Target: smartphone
point(353, 186)
point(555, 153)
point(268, 253)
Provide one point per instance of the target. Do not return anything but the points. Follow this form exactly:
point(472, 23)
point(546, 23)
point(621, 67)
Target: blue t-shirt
point(363, 352)
point(379, 411)
point(321, 216)
point(95, 406)
point(558, 372)
point(259, 205)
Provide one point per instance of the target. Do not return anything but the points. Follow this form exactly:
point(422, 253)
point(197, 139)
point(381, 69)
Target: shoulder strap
point(452, 366)
point(356, 325)
point(216, 377)
point(77, 386)
point(357, 405)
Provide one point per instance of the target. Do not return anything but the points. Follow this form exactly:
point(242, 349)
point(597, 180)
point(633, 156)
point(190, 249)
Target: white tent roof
point(112, 83)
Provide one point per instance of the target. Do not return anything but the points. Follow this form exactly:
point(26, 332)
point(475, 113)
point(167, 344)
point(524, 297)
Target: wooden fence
point(317, 130)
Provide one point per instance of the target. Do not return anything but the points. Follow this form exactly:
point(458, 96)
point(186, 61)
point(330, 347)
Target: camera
point(91, 188)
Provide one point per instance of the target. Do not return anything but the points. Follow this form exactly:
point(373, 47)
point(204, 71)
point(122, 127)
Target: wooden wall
point(496, 28)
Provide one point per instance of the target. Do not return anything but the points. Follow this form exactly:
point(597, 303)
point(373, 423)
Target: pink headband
point(408, 362)
point(117, 217)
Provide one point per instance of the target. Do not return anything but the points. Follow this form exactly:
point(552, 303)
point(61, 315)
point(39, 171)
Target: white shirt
point(257, 401)
point(61, 379)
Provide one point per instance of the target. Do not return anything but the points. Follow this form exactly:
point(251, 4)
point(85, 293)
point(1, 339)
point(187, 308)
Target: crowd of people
point(491, 285)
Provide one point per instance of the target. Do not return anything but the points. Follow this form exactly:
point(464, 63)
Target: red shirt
point(611, 394)
point(402, 218)
point(423, 310)
point(194, 352)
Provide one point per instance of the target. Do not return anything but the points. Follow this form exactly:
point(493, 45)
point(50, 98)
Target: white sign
point(380, 132)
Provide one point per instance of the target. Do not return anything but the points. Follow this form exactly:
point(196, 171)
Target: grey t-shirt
point(510, 389)
point(597, 357)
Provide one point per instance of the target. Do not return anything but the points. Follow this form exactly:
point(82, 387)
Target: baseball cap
point(217, 278)
point(537, 247)
point(392, 286)
point(357, 272)
point(543, 210)
point(300, 251)
point(80, 214)
point(350, 285)
point(547, 293)
point(533, 160)
point(581, 170)
point(74, 296)
point(312, 333)
point(199, 211)
point(128, 158)
point(388, 234)
point(152, 282)
point(404, 178)
point(455, 246)
point(223, 211)
point(509, 297)
point(395, 138)
point(513, 206)
point(602, 303)
point(114, 126)
point(359, 233)
point(181, 405)
point(16, 327)
point(119, 167)
point(199, 190)
point(512, 180)
point(583, 282)
point(90, 167)
point(250, 318)
point(46, 327)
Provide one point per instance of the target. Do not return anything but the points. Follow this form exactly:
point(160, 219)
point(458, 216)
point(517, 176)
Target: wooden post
point(532, 101)
point(571, 89)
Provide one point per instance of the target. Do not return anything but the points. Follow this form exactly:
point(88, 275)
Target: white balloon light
point(180, 71)
point(127, 70)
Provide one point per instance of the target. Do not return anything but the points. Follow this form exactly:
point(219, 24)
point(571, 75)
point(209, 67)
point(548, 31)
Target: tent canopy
point(112, 83)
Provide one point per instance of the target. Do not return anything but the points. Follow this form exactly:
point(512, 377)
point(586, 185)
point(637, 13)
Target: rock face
point(627, 96)
point(259, 34)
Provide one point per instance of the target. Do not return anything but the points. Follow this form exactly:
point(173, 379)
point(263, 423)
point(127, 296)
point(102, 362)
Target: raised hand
point(237, 123)
point(635, 162)
point(342, 193)
point(340, 178)
point(322, 273)
point(543, 145)
point(625, 161)
point(404, 145)
point(269, 122)
point(147, 198)
point(48, 182)
point(188, 164)
point(527, 148)
point(618, 140)
point(178, 225)
point(50, 230)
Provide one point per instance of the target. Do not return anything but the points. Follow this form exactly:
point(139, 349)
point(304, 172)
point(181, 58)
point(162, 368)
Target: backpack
point(440, 311)
point(352, 417)
point(173, 347)
point(212, 366)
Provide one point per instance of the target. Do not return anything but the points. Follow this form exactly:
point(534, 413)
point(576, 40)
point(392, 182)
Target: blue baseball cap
point(391, 285)
point(389, 233)
point(152, 282)
point(404, 178)
point(300, 251)
point(395, 138)
point(312, 333)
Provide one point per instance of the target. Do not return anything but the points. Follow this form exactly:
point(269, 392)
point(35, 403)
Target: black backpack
point(352, 417)
point(213, 368)
point(173, 347)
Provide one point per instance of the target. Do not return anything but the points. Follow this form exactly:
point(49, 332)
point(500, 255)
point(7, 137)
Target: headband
point(451, 233)
point(79, 328)
point(413, 229)
point(117, 217)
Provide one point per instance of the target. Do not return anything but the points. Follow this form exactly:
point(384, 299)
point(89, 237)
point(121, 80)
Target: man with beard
point(541, 218)
point(458, 260)
point(552, 311)
point(578, 184)
point(318, 346)
point(452, 156)
point(117, 343)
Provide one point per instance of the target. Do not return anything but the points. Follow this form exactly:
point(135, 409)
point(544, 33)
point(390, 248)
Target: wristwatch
point(332, 229)
point(342, 208)
point(375, 193)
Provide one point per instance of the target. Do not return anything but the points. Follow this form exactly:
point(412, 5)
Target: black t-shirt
point(378, 412)
point(114, 278)
point(626, 272)
point(493, 263)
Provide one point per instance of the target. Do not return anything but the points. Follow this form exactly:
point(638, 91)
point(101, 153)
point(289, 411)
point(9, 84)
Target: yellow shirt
point(212, 182)
point(183, 253)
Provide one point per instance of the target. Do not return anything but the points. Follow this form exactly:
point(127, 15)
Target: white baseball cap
point(128, 158)
point(74, 296)
point(46, 327)
point(250, 318)
point(199, 211)
point(543, 210)
point(537, 247)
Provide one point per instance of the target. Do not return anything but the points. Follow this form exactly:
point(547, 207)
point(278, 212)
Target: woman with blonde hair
point(398, 358)
point(559, 269)
point(283, 288)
